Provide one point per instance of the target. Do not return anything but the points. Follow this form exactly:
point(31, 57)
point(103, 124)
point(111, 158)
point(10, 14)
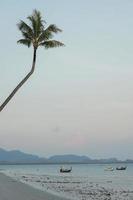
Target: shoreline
point(11, 189)
point(76, 188)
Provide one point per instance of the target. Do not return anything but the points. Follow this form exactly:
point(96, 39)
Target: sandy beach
point(11, 189)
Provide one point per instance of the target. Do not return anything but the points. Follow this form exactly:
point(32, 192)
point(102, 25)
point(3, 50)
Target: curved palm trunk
point(21, 83)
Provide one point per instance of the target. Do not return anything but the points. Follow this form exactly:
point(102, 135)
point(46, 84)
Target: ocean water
point(92, 172)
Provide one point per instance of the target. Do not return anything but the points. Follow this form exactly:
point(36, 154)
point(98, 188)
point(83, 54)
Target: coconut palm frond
point(37, 16)
point(48, 32)
point(33, 25)
point(51, 44)
point(53, 28)
point(26, 35)
point(45, 35)
point(26, 42)
point(36, 22)
point(25, 27)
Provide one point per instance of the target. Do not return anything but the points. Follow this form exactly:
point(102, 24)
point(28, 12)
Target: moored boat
point(64, 170)
point(121, 168)
point(109, 169)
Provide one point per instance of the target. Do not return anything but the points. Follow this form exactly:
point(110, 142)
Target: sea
point(95, 173)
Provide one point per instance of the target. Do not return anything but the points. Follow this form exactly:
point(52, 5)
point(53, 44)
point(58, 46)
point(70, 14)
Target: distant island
point(19, 157)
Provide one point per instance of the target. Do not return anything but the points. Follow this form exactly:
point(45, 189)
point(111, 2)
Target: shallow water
point(92, 172)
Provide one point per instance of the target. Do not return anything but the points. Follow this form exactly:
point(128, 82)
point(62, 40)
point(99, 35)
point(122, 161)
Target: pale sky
point(80, 99)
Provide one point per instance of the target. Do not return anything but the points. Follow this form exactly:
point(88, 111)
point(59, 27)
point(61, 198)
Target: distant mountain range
point(18, 157)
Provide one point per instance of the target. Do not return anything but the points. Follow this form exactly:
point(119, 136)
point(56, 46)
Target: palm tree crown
point(36, 34)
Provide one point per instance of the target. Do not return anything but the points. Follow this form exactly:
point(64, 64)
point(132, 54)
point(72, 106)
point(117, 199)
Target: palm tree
point(36, 35)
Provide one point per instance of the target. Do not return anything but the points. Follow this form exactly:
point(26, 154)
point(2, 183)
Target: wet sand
point(11, 189)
